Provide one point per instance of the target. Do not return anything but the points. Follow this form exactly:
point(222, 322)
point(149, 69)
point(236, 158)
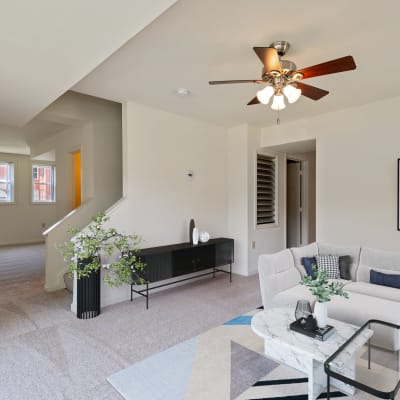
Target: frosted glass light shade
point(292, 93)
point(265, 94)
point(278, 103)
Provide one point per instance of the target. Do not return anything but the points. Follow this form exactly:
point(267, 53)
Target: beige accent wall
point(22, 221)
point(95, 128)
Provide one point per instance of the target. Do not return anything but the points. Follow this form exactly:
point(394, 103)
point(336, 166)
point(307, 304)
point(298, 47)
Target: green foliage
point(88, 247)
point(322, 288)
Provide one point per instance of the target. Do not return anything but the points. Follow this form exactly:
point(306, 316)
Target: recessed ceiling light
point(182, 91)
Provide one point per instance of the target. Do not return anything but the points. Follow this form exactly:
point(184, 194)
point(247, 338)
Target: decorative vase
point(321, 314)
point(88, 292)
point(204, 237)
point(303, 310)
point(195, 236)
point(191, 227)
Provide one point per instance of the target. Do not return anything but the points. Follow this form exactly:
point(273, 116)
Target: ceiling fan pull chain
point(278, 120)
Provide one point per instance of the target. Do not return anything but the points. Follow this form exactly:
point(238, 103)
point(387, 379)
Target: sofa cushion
point(364, 271)
point(290, 297)
point(379, 260)
point(329, 265)
point(384, 279)
point(276, 273)
point(369, 289)
point(352, 251)
point(309, 263)
point(360, 308)
point(311, 250)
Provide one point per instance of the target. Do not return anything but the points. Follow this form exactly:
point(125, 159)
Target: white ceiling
point(49, 45)
point(197, 41)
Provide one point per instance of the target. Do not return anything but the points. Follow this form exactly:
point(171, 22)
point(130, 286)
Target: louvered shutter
point(266, 167)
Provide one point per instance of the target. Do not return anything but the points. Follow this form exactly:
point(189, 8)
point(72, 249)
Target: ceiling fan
point(283, 78)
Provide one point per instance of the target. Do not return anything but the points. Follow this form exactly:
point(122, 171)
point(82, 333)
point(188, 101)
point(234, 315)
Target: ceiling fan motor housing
point(281, 46)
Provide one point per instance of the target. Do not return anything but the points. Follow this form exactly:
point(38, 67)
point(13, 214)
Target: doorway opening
point(298, 183)
point(294, 203)
point(77, 180)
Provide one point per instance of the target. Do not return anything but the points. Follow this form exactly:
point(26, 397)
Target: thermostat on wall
point(189, 175)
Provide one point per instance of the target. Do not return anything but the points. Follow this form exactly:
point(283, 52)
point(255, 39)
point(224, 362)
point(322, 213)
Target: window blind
point(266, 167)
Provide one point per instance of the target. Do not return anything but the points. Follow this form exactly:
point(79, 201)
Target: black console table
point(166, 262)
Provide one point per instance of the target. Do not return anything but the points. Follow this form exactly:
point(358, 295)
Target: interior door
point(293, 204)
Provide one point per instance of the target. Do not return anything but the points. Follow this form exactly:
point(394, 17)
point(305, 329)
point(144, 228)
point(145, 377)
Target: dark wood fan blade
point(269, 57)
point(253, 101)
point(330, 67)
point(311, 92)
point(236, 81)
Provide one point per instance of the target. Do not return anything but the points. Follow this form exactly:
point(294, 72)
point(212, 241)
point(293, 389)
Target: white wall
point(21, 221)
point(160, 200)
point(356, 172)
point(267, 238)
point(243, 144)
point(159, 149)
point(237, 203)
point(13, 141)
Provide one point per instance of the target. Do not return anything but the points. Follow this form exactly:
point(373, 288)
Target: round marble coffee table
point(306, 354)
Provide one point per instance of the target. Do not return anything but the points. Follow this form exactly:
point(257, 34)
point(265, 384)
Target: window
point(43, 183)
point(266, 195)
point(6, 182)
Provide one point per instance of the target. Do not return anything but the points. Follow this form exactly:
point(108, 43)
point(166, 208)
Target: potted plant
point(323, 289)
point(85, 252)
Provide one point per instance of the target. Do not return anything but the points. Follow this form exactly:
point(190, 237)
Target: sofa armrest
point(276, 273)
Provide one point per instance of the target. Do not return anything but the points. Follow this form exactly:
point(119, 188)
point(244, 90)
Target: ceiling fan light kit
point(278, 103)
point(282, 77)
point(265, 94)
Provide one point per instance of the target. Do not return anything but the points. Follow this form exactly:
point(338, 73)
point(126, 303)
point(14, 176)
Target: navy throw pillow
point(379, 278)
point(307, 263)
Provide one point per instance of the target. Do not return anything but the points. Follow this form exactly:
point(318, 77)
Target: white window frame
point(9, 181)
point(52, 184)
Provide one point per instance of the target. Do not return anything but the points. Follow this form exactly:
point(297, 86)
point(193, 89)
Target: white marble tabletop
point(274, 324)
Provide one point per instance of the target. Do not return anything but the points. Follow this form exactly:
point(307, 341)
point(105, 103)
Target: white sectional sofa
point(280, 274)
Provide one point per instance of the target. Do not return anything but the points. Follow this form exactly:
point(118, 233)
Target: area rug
point(224, 363)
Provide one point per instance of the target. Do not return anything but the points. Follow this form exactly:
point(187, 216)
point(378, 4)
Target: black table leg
point(147, 295)
point(369, 349)
point(328, 387)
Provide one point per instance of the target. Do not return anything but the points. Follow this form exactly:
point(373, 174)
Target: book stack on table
point(318, 333)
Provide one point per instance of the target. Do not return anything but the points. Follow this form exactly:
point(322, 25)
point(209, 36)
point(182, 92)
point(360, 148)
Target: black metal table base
point(145, 292)
point(353, 382)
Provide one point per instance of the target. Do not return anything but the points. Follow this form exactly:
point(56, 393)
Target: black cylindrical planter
point(88, 293)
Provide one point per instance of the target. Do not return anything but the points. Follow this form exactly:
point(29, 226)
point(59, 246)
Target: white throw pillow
point(330, 265)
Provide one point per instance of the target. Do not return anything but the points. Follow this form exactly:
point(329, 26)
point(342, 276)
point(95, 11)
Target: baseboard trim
point(28, 242)
point(54, 288)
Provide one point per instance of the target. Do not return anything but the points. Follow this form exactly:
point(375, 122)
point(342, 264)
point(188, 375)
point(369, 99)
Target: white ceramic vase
point(204, 237)
point(321, 314)
point(195, 236)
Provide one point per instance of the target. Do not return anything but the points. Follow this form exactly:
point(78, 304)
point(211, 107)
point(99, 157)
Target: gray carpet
point(47, 353)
